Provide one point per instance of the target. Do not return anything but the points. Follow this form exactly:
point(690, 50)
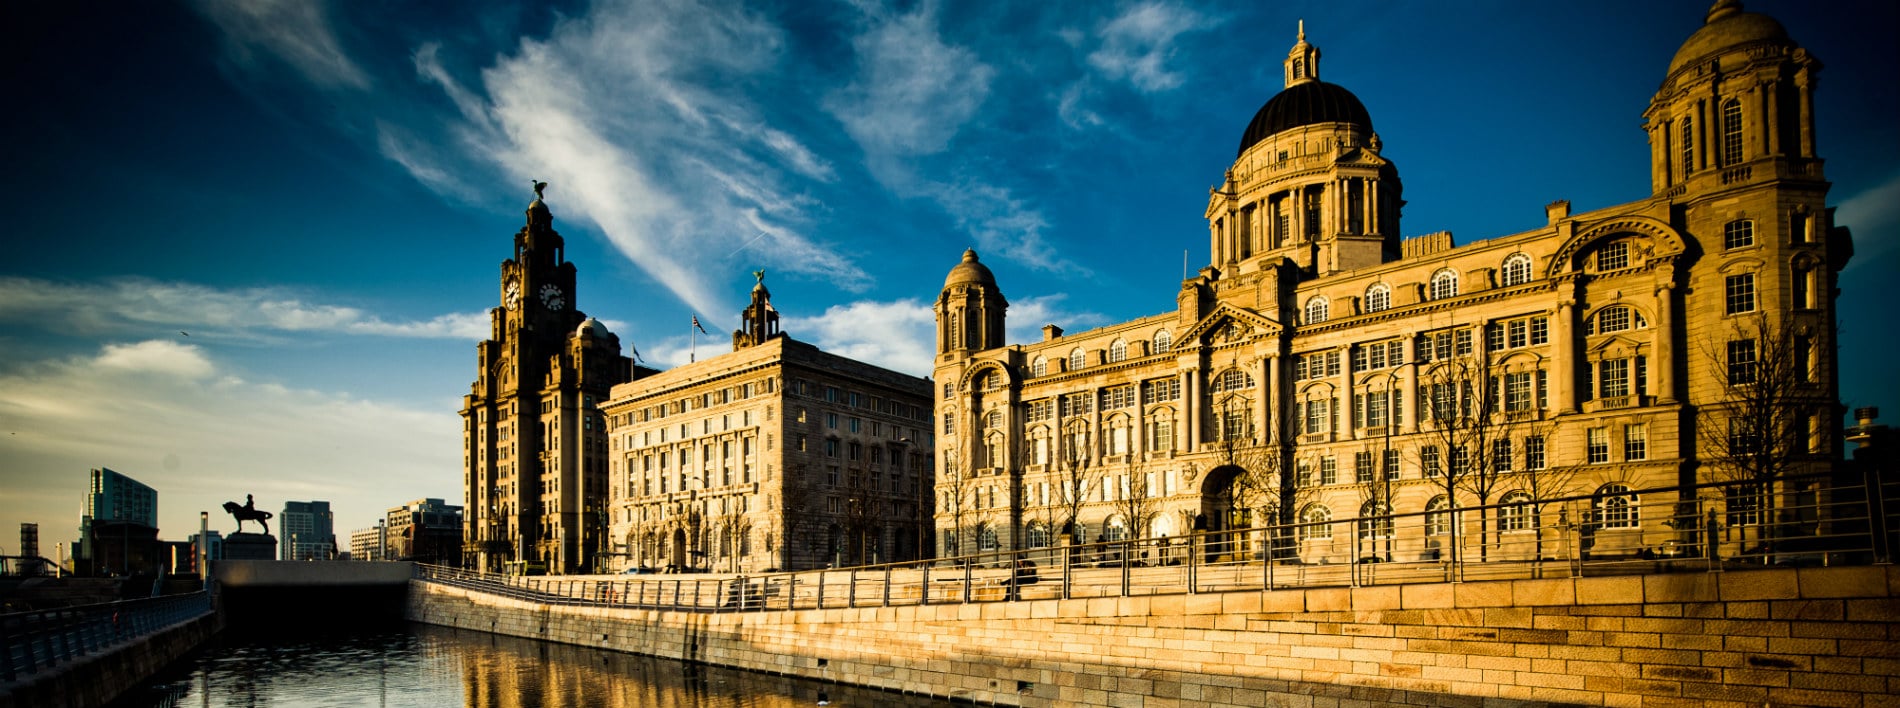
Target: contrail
point(755, 239)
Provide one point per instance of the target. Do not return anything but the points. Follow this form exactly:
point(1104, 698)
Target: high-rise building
point(776, 455)
point(119, 525)
point(1321, 367)
point(306, 531)
point(366, 544)
point(534, 449)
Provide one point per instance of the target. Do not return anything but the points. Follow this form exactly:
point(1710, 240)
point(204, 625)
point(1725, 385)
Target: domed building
point(1324, 367)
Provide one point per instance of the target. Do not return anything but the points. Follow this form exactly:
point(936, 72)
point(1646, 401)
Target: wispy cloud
point(296, 32)
point(1028, 315)
point(165, 413)
point(913, 91)
point(1137, 45)
point(641, 117)
point(1874, 217)
point(132, 305)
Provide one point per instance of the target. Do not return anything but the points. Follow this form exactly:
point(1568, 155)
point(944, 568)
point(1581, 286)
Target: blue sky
point(251, 245)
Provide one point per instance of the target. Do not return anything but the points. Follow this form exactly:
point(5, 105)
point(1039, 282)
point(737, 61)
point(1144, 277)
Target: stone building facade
point(534, 447)
point(1323, 367)
point(776, 455)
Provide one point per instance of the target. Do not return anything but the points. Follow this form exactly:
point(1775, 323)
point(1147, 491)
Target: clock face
point(551, 296)
point(513, 297)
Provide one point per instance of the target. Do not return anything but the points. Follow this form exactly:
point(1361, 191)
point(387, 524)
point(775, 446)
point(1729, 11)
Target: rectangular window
point(1160, 390)
point(1740, 291)
point(1160, 434)
point(1534, 453)
point(1493, 338)
point(1540, 331)
point(1115, 397)
point(1614, 256)
point(1597, 446)
point(1501, 455)
point(949, 424)
point(1428, 459)
point(1376, 409)
point(1635, 442)
point(1328, 471)
point(1391, 464)
point(1738, 233)
point(1802, 289)
point(1614, 378)
point(1798, 228)
point(1461, 343)
point(1316, 416)
point(1362, 467)
point(1517, 391)
point(1741, 362)
point(1041, 410)
point(1517, 333)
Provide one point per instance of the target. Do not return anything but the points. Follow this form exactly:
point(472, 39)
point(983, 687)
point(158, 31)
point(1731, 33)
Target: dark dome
point(1726, 27)
point(1305, 103)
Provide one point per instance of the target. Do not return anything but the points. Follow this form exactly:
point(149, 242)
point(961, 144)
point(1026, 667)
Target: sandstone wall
point(1818, 636)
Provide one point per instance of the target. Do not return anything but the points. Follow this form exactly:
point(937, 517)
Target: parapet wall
point(1812, 636)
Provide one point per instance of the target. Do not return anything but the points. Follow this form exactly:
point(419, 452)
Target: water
point(423, 665)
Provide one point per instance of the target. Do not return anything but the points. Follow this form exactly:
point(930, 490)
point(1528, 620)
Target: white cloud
point(641, 119)
point(899, 335)
point(1003, 225)
point(164, 413)
point(297, 32)
point(138, 305)
point(1874, 217)
point(1027, 316)
point(1137, 44)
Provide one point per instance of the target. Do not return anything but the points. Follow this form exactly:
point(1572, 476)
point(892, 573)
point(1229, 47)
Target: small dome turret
point(1728, 27)
point(970, 272)
point(592, 328)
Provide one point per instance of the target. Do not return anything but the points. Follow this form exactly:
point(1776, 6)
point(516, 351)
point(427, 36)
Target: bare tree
point(1138, 500)
point(1077, 480)
point(798, 509)
point(863, 499)
point(1758, 433)
point(956, 486)
point(1473, 408)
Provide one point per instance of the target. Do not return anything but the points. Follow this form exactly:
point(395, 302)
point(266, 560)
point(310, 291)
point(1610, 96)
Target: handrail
point(34, 641)
point(1708, 527)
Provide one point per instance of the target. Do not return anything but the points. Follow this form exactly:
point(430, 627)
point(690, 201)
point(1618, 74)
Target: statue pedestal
point(250, 546)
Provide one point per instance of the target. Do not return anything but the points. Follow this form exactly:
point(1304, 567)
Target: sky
point(251, 244)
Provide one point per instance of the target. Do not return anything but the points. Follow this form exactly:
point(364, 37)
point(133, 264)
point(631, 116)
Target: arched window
point(1163, 342)
point(986, 538)
point(1515, 515)
point(1115, 530)
point(1378, 297)
point(1375, 520)
point(1038, 534)
point(1077, 359)
point(1117, 351)
point(1315, 310)
point(1316, 515)
point(1517, 270)
point(1615, 507)
point(1688, 145)
point(1038, 367)
point(1444, 284)
point(1731, 132)
point(1438, 516)
point(993, 419)
point(1616, 318)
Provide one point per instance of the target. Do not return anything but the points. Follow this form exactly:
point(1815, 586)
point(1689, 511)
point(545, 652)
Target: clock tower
point(534, 446)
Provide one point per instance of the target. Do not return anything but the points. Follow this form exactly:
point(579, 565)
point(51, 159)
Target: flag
point(702, 330)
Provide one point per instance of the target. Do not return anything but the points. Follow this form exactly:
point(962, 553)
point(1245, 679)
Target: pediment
point(1227, 323)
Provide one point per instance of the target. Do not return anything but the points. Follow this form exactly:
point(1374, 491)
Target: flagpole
point(694, 355)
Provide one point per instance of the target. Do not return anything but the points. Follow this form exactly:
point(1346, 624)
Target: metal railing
point(35, 641)
point(1703, 528)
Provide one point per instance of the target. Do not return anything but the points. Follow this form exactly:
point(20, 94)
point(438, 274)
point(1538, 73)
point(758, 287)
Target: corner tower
point(1308, 183)
point(969, 310)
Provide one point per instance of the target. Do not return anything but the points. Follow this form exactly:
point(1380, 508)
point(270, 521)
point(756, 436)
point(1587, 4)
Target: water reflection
point(423, 665)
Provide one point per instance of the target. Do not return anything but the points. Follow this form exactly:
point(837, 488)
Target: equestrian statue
point(248, 512)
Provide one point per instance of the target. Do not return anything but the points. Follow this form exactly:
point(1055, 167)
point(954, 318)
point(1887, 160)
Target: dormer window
point(1077, 359)
point(1517, 270)
point(1316, 308)
point(1444, 284)
point(1378, 297)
